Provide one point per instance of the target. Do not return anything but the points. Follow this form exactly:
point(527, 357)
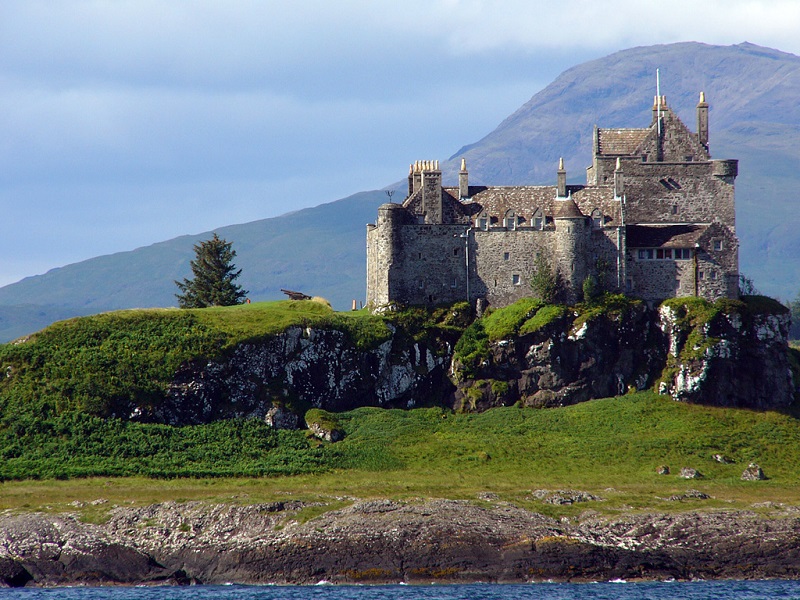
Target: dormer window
point(537, 220)
point(597, 218)
point(482, 222)
point(510, 222)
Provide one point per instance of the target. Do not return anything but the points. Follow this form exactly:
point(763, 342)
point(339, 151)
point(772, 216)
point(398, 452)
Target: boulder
point(753, 473)
point(690, 473)
point(280, 417)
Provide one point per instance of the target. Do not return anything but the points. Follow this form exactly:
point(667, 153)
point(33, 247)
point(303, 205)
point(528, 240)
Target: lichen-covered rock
point(690, 473)
point(280, 417)
point(300, 367)
point(572, 359)
point(728, 353)
point(732, 354)
point(753, 473)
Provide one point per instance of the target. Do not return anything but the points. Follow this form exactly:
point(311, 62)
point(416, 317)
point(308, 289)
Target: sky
point(126, 123)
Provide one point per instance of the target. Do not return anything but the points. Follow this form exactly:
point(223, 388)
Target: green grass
point(104, 364)
point(608, 447)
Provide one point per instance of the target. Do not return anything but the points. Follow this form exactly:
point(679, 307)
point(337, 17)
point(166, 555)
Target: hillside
point(322, 250)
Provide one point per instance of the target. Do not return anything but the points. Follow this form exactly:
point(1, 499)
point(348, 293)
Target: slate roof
point(664, 236)
point(623, 142)
point(524, 200)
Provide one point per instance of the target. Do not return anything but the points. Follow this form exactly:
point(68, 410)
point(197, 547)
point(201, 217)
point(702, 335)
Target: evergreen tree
point(214, 275)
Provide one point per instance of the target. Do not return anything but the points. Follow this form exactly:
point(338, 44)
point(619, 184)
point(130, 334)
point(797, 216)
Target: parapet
point(725, 168)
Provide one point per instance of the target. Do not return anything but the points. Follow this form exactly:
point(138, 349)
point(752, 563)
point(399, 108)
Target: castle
point(655, 220)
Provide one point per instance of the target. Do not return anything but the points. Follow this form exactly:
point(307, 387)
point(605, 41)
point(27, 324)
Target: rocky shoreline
point(383, 541)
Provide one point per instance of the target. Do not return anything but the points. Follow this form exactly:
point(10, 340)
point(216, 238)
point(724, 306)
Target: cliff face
point(307, 367)
point(723, 355)
point(733, 358)
point(386, 541)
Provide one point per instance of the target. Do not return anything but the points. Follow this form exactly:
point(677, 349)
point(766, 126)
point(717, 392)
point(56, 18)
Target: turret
point(702, 120)
point(561, 192)
point(571, 249)
point(463, 180)
point(410, 179)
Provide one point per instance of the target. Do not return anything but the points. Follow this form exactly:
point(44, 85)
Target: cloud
point(204, 113)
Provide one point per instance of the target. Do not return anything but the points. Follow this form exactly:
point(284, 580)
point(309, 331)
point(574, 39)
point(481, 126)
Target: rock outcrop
point(734, 357)
point(387, 541)
point(725, 354)
point(728, 355)
point(303, 368)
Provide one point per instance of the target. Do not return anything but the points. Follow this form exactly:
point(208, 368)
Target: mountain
point(754, 117)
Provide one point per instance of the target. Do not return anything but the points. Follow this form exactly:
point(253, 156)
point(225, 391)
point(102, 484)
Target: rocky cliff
point(730, 354)
point(387, 541)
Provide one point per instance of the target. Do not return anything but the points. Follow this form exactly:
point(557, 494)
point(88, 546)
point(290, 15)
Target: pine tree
point(214, 275)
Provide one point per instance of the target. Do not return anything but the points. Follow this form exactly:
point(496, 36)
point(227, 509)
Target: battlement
point(655, 219)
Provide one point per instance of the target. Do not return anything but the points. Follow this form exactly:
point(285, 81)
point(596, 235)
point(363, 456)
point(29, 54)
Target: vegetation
point(63, 391)
point(594, 446)
point(107, 364)
point(546, 282)
point(214, 276)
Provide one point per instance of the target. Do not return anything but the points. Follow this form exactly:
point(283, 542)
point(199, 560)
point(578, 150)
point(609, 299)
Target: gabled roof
point(682, 235)
point(620, 142)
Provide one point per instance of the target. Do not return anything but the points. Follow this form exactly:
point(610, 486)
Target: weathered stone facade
point(656, 219)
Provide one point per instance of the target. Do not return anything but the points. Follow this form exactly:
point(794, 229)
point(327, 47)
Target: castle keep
point(654, 220)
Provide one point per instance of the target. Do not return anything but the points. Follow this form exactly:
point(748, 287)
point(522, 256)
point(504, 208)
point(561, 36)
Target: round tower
point(383, 250)
point(570, 245)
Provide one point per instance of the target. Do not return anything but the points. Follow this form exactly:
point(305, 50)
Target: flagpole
point(658, 100)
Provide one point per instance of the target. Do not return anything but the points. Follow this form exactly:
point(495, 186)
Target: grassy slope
point(611, 443)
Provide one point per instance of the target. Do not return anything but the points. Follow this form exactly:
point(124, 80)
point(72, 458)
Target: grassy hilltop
point(60, 439)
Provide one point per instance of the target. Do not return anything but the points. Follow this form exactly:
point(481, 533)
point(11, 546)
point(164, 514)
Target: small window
point(510, 222)
point(455, 251)
point(717, 245)
point(506, 256)
point(421, 284)
point(649, 254)
point(537, 220)
point(642, 254)
point(659, 253)
point(667, 253)
point(419, 255)
point(701, 275)
point(629, 284)
point(713, 274)
point(644, 157)
point(688, 158)
point(483, 222)
point(597, 218)
point(515, 279)
point(674, 209)
point(455, 283)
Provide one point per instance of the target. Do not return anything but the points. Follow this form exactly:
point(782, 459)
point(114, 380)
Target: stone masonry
point(656, 219)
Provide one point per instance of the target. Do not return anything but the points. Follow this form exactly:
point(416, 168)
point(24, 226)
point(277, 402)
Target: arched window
point(537, 220)
point(510, 220)
point(482, 222)
point(597, 217)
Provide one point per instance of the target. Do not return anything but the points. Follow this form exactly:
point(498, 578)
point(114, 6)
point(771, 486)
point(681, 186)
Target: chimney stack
point(561, 192)
point(463, 180)
point(702, 120)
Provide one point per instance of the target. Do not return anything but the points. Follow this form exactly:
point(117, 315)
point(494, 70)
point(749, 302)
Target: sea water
point(700, 590)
